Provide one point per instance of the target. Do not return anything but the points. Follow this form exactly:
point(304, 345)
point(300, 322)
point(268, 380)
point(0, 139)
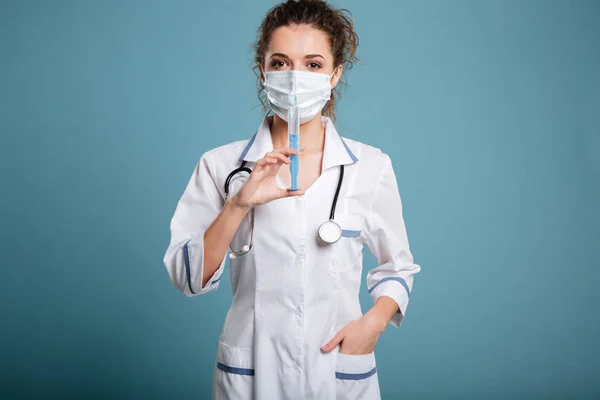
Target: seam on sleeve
point(377, 188)
point(209, 169)
point(212, 174)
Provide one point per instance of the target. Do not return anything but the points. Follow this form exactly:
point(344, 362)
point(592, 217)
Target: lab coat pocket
point(347, 252)
point(234, 373)
point(356, 377)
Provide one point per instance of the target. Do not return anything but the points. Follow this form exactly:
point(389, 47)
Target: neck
point(312, 133)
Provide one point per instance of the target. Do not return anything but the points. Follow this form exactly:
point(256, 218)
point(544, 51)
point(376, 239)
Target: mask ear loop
point(263, 81)
point(333, 73)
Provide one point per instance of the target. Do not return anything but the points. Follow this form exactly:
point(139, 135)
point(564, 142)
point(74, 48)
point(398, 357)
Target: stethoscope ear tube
point(337, 193)
point(241, 168)
point(247, 247)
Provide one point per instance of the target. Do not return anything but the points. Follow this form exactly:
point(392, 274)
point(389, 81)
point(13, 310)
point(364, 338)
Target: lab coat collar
point(336, 151)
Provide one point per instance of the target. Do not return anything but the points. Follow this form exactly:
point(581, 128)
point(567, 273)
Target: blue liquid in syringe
point(294, 140)
point(294, 143)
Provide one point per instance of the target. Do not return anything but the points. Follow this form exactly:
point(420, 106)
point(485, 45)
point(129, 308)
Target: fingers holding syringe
point(291, 193)
point(272, 155)
point(268, 166)
point(273, 160)
point(286, 151)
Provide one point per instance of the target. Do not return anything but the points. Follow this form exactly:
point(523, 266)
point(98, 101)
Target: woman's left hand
point(359, 336)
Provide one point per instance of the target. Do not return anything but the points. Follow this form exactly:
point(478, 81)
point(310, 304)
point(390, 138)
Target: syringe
point(294, 141)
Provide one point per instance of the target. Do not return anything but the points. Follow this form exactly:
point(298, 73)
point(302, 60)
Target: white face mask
point(312, 90)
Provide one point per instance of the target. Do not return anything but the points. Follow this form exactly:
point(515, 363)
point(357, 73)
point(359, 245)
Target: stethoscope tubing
point(243, 168)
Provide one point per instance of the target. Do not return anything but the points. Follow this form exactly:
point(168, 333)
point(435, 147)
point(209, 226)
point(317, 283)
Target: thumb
point(289, 193)
point(333, 342)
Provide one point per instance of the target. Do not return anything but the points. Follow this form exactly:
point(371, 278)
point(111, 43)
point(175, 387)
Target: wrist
point(376, 319)
point(236, 207)
point(382, 311)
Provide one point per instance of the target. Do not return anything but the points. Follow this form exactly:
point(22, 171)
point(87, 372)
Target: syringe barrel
point(294, 142)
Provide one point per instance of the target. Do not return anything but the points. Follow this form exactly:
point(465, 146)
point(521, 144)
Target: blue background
point(490, 111)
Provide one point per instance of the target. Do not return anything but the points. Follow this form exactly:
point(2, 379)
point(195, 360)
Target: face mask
point(311, 90)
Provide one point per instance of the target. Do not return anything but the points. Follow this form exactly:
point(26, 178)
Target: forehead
point(299, 40)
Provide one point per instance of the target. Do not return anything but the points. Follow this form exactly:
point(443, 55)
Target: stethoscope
point(329, 231)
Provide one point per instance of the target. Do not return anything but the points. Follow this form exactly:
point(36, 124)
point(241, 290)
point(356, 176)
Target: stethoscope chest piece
point(330, 231)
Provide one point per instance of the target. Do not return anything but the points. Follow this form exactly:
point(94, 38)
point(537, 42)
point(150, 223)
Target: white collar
point(335, 152)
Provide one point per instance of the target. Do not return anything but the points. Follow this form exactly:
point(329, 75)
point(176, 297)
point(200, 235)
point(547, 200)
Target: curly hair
point(336, 23)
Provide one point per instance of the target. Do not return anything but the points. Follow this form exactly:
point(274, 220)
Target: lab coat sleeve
point(387, 240)
point(196, 210)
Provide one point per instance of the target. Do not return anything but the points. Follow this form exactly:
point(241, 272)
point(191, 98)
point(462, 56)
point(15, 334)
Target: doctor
point(295, 329)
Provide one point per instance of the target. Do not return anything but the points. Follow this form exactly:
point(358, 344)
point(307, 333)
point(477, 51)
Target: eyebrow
point(279, 55)
point(306, 56)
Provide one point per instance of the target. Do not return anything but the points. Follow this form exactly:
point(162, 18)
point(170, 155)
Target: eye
point(277, 64)
point(314, 65)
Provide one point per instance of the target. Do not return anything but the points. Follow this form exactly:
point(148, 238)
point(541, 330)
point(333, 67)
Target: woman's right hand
point(261, 187)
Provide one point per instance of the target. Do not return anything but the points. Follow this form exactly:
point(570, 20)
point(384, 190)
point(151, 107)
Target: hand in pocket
point(357, 337)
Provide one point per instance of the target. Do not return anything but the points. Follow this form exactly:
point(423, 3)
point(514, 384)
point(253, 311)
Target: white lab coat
point(291, 292)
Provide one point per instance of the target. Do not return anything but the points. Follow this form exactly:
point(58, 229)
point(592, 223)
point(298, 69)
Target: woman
point(295, 329)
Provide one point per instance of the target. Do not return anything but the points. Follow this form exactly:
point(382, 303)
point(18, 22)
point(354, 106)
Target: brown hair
point(336, 23)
